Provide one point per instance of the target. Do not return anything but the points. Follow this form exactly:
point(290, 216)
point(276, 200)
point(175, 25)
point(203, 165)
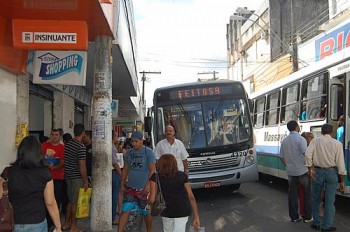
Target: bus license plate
point(212, 184)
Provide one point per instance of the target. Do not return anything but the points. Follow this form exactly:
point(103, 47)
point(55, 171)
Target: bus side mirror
point(251, 105)
point(148, 124)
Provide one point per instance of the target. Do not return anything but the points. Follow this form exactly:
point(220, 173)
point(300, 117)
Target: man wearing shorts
point(138, 167)
point(75, 172)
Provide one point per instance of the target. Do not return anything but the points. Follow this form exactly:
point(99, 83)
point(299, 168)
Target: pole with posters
point(101, 204)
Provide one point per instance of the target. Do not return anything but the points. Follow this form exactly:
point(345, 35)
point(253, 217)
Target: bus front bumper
point(226, 177)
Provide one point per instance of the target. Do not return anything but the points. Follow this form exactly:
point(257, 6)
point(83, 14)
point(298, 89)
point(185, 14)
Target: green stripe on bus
point(270, 161)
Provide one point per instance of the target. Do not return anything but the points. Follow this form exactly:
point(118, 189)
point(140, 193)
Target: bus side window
point(290, 103)
point(259, 112)
point(272, 108)
point(314, 97)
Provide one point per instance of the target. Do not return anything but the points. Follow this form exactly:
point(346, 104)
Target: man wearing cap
point(138, 167)
point(171, 145)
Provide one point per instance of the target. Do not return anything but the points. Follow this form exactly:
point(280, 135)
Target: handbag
point(6, 210)
point(159, 203)
point(83, 203)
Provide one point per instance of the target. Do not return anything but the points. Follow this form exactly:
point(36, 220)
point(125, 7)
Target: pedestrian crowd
point(44, 180)
point(315, 168)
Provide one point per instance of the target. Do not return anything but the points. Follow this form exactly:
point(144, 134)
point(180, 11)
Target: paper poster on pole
point(60, 67)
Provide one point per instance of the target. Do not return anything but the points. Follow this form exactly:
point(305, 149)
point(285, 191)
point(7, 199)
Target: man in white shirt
point(171, 145)
point(325, 160)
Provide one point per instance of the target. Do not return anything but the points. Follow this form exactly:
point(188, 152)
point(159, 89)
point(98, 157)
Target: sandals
point(66, 227)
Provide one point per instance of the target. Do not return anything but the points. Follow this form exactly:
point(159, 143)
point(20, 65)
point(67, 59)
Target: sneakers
point(315, 227)
point(307, 220)
point(296, 220)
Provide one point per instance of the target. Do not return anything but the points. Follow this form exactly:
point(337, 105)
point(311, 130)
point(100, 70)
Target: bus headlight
point(249, 159)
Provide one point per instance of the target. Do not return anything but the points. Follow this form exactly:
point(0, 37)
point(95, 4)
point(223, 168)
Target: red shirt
point(54, 151)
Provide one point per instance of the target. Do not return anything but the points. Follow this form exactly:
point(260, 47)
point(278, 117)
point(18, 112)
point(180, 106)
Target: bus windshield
point(207, 124)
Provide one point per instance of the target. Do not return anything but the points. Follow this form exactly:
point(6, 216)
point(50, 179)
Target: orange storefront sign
point(49, 34)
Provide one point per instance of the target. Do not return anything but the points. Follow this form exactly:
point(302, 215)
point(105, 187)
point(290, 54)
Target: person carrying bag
point(6, 210)
point(159, 203)
point(177, 193)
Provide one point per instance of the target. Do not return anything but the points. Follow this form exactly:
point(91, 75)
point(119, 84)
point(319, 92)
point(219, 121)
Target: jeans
point(304, 181)
point(116, 181)
point(39, 227)
point(327, 178)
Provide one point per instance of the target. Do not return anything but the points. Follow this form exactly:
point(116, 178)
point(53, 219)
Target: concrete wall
point(8, 118)
point(63, 112)
point(306, 15)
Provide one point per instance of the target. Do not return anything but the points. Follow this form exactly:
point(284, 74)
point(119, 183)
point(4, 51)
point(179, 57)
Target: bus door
point(347, 129)
point(335, 100)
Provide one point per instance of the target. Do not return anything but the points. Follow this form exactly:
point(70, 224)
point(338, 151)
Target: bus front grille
point(215, 163)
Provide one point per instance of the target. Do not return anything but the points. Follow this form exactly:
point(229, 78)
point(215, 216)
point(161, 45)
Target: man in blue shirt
point(138, 168)
point(340, 130)
point(292, 152)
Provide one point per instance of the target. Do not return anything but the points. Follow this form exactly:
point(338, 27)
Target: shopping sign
point(332, 42)
point(60, 67)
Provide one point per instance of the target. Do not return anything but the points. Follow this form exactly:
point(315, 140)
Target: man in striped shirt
point(75, 172)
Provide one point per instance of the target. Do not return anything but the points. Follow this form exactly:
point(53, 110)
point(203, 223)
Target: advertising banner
point(49, 34)
point(60, 67)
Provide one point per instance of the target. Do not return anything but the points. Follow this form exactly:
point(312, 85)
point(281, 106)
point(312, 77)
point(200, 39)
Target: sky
point(182, 39)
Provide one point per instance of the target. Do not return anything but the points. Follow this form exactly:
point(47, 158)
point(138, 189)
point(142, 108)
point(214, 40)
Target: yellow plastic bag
point(83, 204)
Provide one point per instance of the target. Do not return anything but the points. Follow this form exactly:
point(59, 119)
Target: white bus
point(213, 121)
point(313, 96)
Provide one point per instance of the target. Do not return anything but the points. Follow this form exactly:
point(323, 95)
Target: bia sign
point(333, 42)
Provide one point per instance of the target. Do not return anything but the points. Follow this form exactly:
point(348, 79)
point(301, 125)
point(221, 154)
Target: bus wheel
point(235, 187)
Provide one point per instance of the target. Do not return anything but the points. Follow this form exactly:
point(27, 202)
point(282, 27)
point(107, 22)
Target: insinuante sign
point(49, 34)
point(49, 37)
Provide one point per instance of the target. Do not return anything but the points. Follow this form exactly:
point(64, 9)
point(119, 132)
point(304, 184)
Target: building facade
point(33, 108)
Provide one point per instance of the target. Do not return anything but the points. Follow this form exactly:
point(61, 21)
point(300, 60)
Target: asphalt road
point(255, 207)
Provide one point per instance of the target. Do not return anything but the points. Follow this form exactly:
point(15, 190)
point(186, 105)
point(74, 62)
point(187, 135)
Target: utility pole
point(294, 37)
point(143, 83)
point(101, 203)
point(213, 72)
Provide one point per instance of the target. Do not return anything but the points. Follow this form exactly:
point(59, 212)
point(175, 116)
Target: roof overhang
point(80, 10)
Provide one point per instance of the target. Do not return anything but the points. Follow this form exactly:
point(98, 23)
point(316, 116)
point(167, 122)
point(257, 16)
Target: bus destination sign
point(180, 94)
